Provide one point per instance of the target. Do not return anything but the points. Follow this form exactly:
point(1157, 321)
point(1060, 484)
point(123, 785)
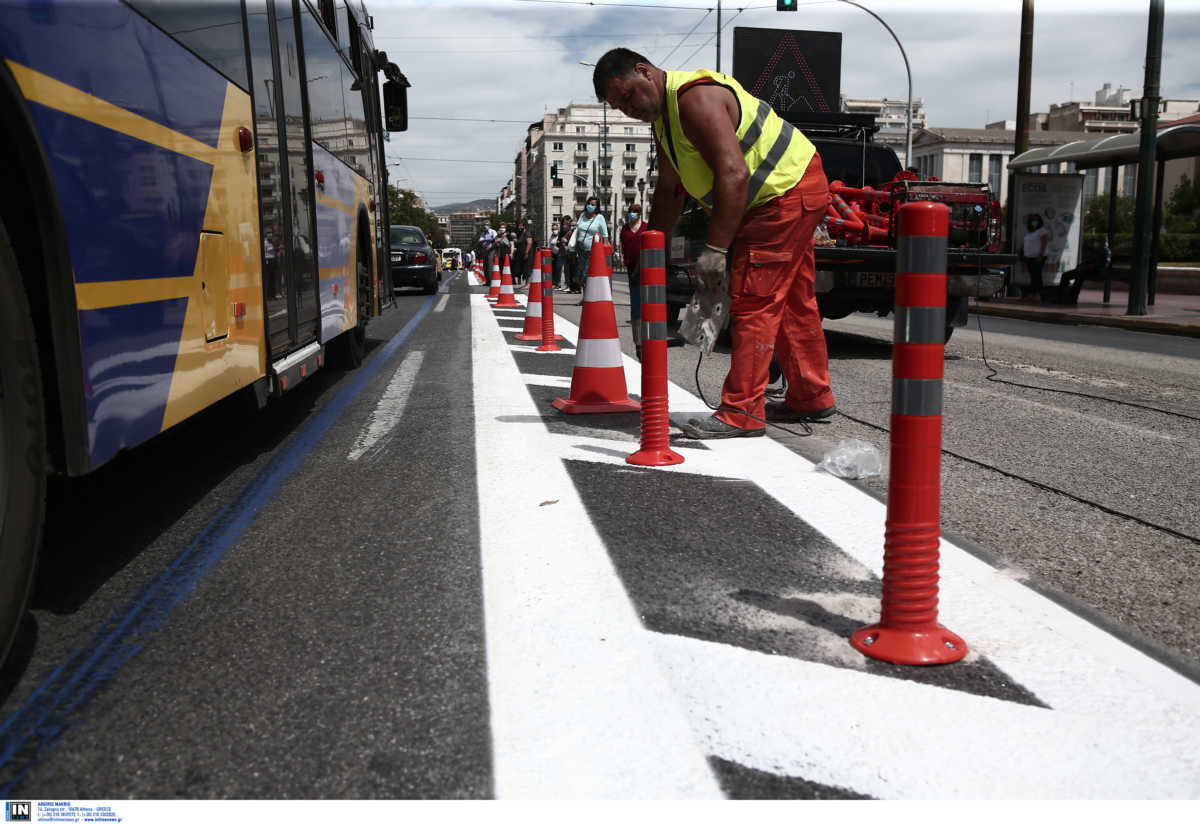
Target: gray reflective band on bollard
point(654, 294)
point(920, 324)
point(654, 330)
point(653, 259)
point(916, 397)
point(922, 254)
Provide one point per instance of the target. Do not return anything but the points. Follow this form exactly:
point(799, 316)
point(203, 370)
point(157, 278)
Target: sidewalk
point(1171, 314)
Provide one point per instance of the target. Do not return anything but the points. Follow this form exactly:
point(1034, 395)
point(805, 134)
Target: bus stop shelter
point(1173, 141)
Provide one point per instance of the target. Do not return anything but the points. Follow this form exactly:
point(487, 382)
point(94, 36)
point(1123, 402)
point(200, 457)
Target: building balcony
point(629, 155)
point(581, 154)
point(581, 187)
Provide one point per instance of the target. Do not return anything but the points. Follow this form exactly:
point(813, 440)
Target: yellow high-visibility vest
point(777, 154)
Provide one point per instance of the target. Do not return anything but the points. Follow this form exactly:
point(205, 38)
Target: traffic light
point(785, 5)
point(554, 171)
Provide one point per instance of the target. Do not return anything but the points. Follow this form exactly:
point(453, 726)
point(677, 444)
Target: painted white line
point(390, 408)
point(441, 304)
point(893, 738)
point(1094, 682)
point(579, 708)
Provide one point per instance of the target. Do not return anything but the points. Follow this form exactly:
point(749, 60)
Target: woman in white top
point(1033, 254)
point(590, 223)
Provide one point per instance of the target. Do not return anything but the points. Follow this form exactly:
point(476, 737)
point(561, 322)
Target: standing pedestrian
point(631, 249)
point(590, 224)
point(1033, 255)
point(488, 239)
point(522, 256)
point(763, 182)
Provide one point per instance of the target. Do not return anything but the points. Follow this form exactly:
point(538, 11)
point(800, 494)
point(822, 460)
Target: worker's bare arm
point(709, 115)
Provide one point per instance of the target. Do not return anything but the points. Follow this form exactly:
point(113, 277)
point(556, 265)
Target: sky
point(510, 61)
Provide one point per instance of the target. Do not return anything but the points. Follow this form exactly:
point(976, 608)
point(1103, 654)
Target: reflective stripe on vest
point(776, 153)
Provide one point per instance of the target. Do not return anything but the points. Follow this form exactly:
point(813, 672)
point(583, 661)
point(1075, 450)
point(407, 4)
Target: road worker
point(763, 183)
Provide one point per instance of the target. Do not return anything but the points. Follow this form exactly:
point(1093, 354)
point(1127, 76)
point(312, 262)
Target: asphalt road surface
point(418, 580)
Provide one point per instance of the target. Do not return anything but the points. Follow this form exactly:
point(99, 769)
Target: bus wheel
point(347, 350)
point(22, 448)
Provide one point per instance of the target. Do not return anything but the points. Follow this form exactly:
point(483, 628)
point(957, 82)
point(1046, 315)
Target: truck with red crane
point(855, 248)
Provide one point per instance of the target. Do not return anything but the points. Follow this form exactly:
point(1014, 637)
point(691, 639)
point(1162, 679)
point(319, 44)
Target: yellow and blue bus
point(194, 206)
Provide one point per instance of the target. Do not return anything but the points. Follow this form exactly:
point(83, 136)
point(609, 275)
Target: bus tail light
point(245, 139)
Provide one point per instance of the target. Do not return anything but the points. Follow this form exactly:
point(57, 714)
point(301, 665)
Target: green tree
point(1182, 212)
point(1095, 217)
point(404, 209)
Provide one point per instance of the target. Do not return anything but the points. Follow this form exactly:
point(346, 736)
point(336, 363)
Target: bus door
point(284, 177)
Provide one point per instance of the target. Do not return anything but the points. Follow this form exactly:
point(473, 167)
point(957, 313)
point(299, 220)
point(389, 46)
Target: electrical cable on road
point(1046, 487)
point(807, 429)
point(992, 377)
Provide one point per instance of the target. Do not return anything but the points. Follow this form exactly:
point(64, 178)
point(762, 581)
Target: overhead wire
point(685, 37)
point(711, 37)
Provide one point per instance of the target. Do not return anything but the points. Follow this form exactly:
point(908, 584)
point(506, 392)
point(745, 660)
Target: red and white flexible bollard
point(656, 420)
point(908, 631)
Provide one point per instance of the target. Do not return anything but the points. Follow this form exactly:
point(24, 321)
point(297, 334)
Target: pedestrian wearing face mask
point(590, 223)
point(631, 249)
point(1033, 255)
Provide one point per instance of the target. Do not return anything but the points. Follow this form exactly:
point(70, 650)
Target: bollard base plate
point(935, 645)
point(654, 457)
point(538, 336)
point(551, 348)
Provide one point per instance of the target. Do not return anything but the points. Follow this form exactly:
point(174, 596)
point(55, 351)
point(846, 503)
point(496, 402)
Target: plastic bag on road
point(852, 458)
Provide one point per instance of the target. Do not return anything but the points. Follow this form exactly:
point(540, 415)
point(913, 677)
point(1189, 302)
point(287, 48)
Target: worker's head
point(630, 82)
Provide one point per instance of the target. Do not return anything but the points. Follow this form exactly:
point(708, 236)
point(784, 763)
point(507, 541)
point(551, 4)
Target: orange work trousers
point(775, 304)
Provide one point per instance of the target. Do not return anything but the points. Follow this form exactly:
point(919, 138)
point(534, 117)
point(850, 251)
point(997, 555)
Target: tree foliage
point(1183, 208)
point(404, 210)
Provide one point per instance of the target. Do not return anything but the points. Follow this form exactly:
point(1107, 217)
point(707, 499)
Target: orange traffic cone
point(506, 287)
point(494, 292)
point(533, 307)
point(598, 381)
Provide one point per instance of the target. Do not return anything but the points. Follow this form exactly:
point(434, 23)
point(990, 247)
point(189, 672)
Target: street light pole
point(908, 71)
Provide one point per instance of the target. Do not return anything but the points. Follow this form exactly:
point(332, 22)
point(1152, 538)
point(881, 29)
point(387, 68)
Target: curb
point(1134, 324)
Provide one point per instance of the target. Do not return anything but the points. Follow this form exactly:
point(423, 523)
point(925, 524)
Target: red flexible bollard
point(908, 631)
point(548, 337)
point(656, 420)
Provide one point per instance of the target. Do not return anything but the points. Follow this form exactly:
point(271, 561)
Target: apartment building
point(595, 150)
point(890, 117)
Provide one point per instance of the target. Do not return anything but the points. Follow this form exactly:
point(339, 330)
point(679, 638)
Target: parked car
point(413, 260)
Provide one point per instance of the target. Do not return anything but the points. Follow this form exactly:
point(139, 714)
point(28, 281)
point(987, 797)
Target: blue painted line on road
point(36, 726)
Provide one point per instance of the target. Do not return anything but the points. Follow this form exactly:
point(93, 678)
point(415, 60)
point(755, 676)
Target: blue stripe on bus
point(127, 379)
point(104, 48)
point(131, 209)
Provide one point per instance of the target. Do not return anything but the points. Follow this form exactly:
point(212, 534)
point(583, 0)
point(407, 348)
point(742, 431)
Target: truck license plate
point(872, 280)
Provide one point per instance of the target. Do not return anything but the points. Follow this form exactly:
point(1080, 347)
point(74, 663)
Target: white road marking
point(579, 708)
point(1120, 724)
point(390, 408)
point(892, 738)
point(441, 304)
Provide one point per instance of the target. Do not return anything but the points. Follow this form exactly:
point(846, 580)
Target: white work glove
point(705, 316)
point(710, 266)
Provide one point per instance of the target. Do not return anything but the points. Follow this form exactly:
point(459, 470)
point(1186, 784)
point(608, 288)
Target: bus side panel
point(364, 194)
point(335, 192)
point(214, 362)
point(140, 138)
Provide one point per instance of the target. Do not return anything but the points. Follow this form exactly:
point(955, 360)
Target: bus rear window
point(401, 235)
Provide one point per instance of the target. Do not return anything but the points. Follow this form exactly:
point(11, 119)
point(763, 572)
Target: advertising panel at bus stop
point(1058, 200)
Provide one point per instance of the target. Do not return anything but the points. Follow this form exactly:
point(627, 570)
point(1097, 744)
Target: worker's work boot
point(714, 427)
point(780, 411)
